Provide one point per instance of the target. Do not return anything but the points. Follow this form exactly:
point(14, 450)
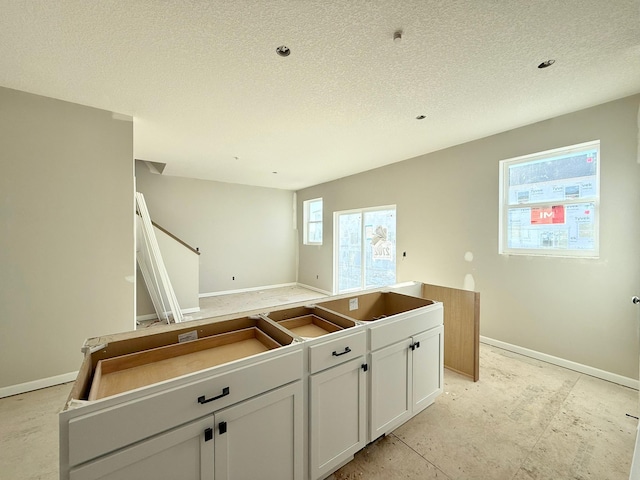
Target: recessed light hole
point(283, 51)
point(421, 117)
point(547, 63)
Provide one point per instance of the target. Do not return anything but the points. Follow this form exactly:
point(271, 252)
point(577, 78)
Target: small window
point(549, 202)
point(313, 222)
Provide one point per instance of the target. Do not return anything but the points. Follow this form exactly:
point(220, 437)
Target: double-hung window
point(549, 202)
point(313, 222)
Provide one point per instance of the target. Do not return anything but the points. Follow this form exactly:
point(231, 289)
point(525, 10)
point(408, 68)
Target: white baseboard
point(37, 384)
point(153, 316)
point(190, 310)
point(309, 287)
point(561, 362)
point(242, 290)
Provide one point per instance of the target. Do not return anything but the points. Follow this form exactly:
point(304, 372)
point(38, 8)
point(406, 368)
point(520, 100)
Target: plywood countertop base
point(309, 326)
point(121, 374)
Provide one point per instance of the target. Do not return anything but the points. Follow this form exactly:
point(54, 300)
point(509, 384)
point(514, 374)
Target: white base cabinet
point(261, 437)
point(427, 368)
point(182, 453)
point(298, 409)
point(406, 377)
point(258, 438)
point(337, 415)
point(390, 388)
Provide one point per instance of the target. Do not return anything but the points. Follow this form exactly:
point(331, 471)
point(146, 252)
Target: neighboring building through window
point(549, 202)
point(313, 222)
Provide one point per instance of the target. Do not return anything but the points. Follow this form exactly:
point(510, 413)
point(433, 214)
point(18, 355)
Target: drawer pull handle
point(415, 345)
point(203, 399)
point(346, 350)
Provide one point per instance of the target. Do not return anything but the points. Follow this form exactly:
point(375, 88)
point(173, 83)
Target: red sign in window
point(547, 215)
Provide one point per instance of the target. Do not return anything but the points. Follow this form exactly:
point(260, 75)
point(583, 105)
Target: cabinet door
point(261, 438)
point(390, 388)
point(428, 370)
point(184, 453)
point(337, 415)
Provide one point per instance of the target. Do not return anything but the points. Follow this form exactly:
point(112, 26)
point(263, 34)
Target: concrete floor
point(238, 302)
point(245, 301)
point(523, 420)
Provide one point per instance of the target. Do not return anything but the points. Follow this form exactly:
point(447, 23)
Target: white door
point(427, 356)
point(261, 438)
point(364, 248)
point(390, 385)
point(635, 464)
point(184, 453)
point(337, 415)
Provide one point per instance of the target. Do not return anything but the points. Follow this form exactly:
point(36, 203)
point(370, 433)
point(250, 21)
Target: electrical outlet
point(353, 304)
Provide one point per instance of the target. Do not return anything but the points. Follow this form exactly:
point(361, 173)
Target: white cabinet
point(171, 429)
point(337, 415)
point(288, 396)
point(427, 368)
point(258, 438)
point(184, 453)
point(261, 438)
point(390, 394)
point(406, 377)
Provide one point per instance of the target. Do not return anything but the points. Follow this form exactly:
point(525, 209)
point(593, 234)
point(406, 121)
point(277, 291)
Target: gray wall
point(241, 231)
point(447, 204)
point(66, 233)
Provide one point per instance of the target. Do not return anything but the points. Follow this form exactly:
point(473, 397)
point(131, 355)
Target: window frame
point(557, 153)
point(364, 239)
point(307, 220)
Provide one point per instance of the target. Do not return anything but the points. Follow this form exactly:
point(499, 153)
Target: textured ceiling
point(204, 84)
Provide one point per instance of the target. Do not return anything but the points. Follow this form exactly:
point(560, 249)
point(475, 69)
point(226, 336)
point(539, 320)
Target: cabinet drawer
point(336, 351)
point(389, 331)
point(140, 415)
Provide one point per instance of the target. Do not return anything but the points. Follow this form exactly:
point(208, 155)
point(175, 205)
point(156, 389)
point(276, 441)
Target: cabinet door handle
point(208, 434)
point(203, 399)
point(222, 428)
point(336, 354)
point(413, 346)
point(365, 367)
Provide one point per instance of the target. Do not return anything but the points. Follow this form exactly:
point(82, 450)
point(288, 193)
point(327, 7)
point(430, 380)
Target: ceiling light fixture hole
point(547, 63)
point(283, 51)
point(421, 117)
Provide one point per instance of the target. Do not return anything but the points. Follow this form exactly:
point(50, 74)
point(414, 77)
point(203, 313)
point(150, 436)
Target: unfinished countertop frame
point(324, 325)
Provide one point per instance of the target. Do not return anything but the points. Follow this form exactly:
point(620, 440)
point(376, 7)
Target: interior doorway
point(364, 248)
